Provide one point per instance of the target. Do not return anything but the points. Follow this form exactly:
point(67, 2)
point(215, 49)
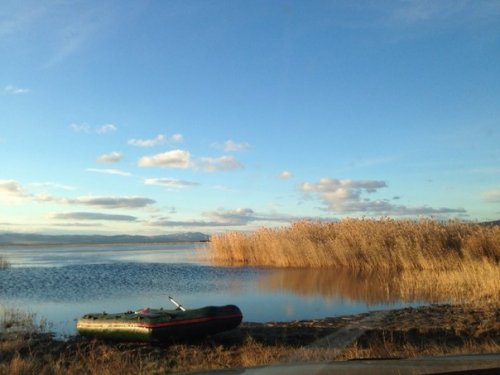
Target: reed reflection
point(376, 288)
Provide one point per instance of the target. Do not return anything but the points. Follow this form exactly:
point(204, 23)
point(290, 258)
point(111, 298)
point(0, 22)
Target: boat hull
point(160, 325)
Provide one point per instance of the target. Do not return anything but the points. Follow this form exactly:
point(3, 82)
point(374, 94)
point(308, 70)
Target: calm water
point(62, 283)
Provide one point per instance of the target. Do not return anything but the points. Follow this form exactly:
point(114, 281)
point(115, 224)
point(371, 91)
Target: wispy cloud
point(106, 129)
point(349, 197)
point(232, 146)
point(177, 138)
point(52, 185)
point(15, 90)
point(91, 216)
point(117, 172)
point(169, 159)
point(86, 128)
point(113, 157)
point(158, 140)
point(170, 182)
point(73, 28)
point(223, 163)
point(80, 128)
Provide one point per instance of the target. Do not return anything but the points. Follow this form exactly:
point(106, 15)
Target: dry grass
point(362, 245)
point(102, 359)
point(386, 259)
point(404, 334)
point(390, 348)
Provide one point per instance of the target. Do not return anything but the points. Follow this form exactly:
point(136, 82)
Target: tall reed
point(362, 245)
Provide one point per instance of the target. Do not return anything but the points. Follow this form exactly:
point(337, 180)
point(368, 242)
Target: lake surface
point(62, 283)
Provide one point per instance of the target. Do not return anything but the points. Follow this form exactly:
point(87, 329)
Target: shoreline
point(393, 334)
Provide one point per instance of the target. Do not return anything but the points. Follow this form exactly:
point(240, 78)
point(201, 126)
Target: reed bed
point(362, 245)
point(384, 259)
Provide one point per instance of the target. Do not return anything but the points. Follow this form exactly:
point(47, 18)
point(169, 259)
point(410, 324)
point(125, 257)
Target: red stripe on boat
point(187, 321)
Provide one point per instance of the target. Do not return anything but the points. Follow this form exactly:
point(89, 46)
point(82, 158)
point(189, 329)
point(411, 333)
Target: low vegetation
point(403, 333)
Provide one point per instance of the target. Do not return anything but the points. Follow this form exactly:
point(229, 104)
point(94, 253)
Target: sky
point(155, 117)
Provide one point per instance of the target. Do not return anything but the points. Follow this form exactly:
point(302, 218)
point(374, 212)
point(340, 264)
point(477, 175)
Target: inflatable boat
point(160, 325)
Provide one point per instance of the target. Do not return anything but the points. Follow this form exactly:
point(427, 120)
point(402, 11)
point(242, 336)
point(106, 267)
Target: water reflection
point(63, 283)
point(371, 288)
point(3, 262)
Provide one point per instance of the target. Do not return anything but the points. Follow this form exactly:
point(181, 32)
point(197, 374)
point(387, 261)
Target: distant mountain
point(34, 238)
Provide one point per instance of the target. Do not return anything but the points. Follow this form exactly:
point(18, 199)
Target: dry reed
point(362, 245)
point(385, 259)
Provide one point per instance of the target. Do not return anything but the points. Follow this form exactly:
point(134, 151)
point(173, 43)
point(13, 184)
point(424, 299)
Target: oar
point(179, 306)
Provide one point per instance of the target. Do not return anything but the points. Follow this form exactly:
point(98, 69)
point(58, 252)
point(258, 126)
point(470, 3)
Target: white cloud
point(223, 163)
point(492, 196)
point(159, 139)
point(117, 172)
point(106, 128)
point(91, 216)
point(285, 175)
point(14, 90)
point(12, 191)
point(169, 159)
point(113, 157)
point(170, 182)
point(347, 197)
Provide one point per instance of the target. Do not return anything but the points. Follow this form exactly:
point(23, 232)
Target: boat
point(154, 325)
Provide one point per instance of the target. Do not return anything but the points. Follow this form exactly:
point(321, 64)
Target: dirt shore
point(403, 333)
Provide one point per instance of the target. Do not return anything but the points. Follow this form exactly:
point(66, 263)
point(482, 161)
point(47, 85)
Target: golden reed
point(362, 245)
point(408, 260)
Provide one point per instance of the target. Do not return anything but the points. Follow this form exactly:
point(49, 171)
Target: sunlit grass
point(423, 260)
point(362, 245)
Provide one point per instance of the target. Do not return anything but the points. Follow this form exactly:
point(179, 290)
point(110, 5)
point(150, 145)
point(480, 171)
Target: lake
point(62, 283)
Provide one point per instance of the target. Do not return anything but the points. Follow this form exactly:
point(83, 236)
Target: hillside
point(34, 238)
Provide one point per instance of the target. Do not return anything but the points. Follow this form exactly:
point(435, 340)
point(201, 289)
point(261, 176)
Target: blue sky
point(150, 117)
